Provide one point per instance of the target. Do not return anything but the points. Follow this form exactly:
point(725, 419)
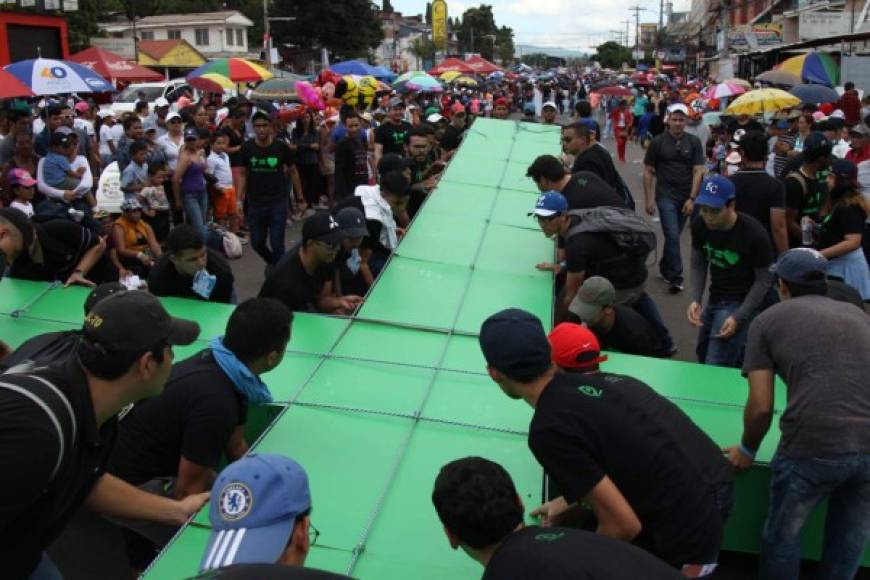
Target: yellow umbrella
point(464, 81)
point(449, 75)
point(762, 101)
point(211, 83)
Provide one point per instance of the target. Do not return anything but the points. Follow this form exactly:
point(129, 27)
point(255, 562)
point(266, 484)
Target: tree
point(82, 24)
point(348, 29)
point(477, 30)
point(612, 55)
point(537, 59)
point(387, 7)
point(504, 45)
point(423, 49)
point(429, 13)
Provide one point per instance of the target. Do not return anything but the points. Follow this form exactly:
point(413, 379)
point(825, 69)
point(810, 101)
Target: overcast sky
point(569, 24)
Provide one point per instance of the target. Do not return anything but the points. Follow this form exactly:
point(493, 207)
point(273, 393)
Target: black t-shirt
point(595, 254)
point(267, 572)
point(351, 166)
point(587, 426)
point(674, 161)
point(193, 417)
point(46, 349)
point(845, 219)
point(34, 508)
point(597, 160)
point(631, 333)
point(452, 138)
point(569, 554)
point(588, 190)
point(63, 244)
point(291, 284)
point(756, 193)
point(164, 279)
point(806, 195)
point(267, 181)
point(733, 255)
point(236, 139)
point(393, 137)
point(751, 125)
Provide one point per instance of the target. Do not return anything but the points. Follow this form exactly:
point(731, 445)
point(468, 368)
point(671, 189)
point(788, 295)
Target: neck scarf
point(247, 383)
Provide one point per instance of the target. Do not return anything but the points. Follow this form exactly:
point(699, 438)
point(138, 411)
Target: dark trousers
point(312, 182)
point(268, 222)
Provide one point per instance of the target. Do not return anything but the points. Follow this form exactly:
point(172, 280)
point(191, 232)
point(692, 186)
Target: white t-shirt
point(117, 132)
point(219, 165)
point(84, 125)
point(24, 206)
point(170, 150)
point(106, 136)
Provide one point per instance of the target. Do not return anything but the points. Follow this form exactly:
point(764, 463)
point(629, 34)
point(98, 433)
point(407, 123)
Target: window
point(147, 35)
point(230, 37)
point(240, 37)
point(201, 36)
point(173, 34)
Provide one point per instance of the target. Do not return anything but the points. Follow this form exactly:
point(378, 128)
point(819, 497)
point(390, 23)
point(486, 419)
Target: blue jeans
point(673, 221)
point(646, 307)
point(268, 221)
point(796, 487)
point(195, 205)
point(723, 352)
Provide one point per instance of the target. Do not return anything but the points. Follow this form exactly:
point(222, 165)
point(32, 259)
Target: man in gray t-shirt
point(821, 349)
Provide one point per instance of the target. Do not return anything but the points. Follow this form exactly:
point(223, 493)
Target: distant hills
point(522, 49)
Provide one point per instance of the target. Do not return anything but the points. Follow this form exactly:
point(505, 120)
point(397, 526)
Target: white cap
point(434, 118)
point(679, 107)
point(105, 113)
point(161, 102)
point(549, 104)
point(172, 115)
point(838, 114)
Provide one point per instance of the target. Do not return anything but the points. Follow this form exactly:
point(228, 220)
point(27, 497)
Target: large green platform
point(373, 406)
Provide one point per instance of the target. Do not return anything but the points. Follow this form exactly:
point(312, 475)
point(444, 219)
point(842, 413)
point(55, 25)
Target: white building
point(214, 34)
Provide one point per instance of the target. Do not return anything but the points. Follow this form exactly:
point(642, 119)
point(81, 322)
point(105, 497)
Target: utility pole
point(267, 32)
point(636, 10)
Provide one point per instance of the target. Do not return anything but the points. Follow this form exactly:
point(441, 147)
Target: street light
point(492, 38)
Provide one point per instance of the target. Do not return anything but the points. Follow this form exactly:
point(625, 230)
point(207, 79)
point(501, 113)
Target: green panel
point(382, 342)
point(514, 178)
point(475, 399)
point(364, 385)
point(314, 333)
point(287, 378)
point(463, 353)
point(16, 293)
point(62, 304)
point(14, 331)
point(512, 209)
point(719, 423)
point(527, 248)
point(415, 292)
point(212, 317)
point(493, 291)
point(459, 198)
point(466, 169)
point(410, 543)
point(429, 240)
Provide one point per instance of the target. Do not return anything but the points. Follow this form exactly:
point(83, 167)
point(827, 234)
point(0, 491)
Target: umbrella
point(480, 65)
point(238, 70)
point(211, 83)
point(275, 89)
point(464, 81)
point(449, 75)
point(495, 76)
point(614, 91)
point(779, 77)
point(449, 64)
point(723, 90)
point(813, 67)
point(815, 94)
point(417, 80)
point(359, 68)
point(112, 66)
point(11, 87)
point(762, 101)
point(45, 76)
point(742, 82)
point(712, 118)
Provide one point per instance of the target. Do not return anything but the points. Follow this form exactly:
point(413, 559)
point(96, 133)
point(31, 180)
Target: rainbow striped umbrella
point(721, 90)
point(211, 83)
point(813, 67)
point(238, 70)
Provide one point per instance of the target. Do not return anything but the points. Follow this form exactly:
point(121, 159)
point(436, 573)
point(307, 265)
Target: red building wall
point(12, 23)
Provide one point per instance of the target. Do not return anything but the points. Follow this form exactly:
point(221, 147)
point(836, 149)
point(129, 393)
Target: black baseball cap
point(135, 321)
point(102, 292)
point(513, 341)
point(191, 133)
point(322, 227)
point(352, 222)
point(804, 266)
point(816, 142)
point(60, 138)
point(392, 162)
point(19, 220)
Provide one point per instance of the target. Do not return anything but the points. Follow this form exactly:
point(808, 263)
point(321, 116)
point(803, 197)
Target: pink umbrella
point(723, 90)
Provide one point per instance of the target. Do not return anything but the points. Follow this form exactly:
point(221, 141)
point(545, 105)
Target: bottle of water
point(806, 231)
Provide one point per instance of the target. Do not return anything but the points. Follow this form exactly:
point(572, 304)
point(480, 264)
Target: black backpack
point(634, 237)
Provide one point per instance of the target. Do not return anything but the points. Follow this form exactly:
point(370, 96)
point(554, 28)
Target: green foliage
point(387, 7)
point(477, 32)
point(612, 55)
point(347, 28)
point(429, 13)
point(82, 25)
point(536, 59)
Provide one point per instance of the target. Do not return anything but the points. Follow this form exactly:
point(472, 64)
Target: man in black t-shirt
point(745, 123)
point(583, 189)
point(455, 130)
point(482, 513)
point(805, 194)
point(738, 253)
point(16, 236)
point(61, 250)
point(171, 444)
point(392, 135)
point(266, 189)
point(189, 269)
point(650, 475)
point(351, 158)
point(579, 141)
point(303, 278)
point(758, 194)
point(619, 328)
point(425, 171)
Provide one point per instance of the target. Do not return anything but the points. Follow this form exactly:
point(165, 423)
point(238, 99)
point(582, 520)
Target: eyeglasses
point(313, 533)
point(330, 245)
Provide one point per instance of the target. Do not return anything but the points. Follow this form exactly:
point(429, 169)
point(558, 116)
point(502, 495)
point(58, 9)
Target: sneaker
point(675, 287)
point(76, 215)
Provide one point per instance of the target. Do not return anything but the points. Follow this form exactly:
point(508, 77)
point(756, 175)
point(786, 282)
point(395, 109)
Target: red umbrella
point(450, 64)
point(615, 91)
point(112, 66)
point(11, 87)
point(481, 66)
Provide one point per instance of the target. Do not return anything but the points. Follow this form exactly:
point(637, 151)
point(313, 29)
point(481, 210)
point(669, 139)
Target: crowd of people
point(777, 214)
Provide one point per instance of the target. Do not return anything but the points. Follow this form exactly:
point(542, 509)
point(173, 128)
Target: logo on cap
point(333, 225)
point(235, 501)
point(711, 187)
point(94, 320)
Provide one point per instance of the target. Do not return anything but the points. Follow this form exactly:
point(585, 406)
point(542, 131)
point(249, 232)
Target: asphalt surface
point(92, 548)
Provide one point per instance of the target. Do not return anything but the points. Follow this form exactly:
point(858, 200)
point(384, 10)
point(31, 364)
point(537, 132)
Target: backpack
point(634, 237)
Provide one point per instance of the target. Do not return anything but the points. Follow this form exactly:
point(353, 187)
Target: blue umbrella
point(357, 67)
point(384, 74)
point(815, 94)
point(46, 76)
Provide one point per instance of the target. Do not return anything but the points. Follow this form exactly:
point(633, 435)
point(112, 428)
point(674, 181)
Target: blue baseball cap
point(804, 266)
point(590, 124)
point(253, 506)
point(716, 191)
point(549, 204)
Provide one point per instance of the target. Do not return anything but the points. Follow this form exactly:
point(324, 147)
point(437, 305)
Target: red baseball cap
point(501, 102)
point(574, 346)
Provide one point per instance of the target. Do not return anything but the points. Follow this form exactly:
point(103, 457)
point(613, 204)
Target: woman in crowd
point(188, 180)
point(307, 140)
point(133, 241)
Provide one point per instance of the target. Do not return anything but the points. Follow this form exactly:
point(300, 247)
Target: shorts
point(224, 202)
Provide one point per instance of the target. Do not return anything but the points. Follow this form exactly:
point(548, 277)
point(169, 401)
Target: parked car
point(149, 92)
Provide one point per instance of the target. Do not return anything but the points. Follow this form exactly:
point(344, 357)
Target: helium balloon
point(348, 91)
point(309, 96)
point(368, 86)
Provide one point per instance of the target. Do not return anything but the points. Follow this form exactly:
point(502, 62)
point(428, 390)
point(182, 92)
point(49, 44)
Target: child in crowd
point(135, 175)
point(226, 212)
point(56, 169)
point(155, 204)
point(21, 185)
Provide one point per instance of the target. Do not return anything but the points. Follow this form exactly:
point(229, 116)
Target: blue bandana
point(247, 383)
